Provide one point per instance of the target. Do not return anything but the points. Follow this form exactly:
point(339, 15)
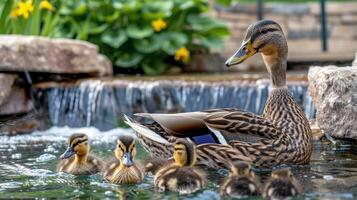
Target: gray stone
point(6, 82)
point(40, 54)
point(17, 102)
point(334, 92)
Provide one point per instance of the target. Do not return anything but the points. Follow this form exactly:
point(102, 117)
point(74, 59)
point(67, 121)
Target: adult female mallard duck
point(241, 181)
point(281, 134)
point(123, 169)
point(281, 185)
point(76, 159)
point(180, 176)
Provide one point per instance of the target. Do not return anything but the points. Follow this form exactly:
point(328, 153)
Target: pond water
point(28, 163)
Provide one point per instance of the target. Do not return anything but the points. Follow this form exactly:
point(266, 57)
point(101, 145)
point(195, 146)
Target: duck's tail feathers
point(144, 131)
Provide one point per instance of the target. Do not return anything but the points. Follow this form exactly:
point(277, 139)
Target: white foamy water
point(60, 134)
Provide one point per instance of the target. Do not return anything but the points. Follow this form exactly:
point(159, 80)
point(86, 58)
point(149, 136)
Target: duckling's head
point(125, 150)
point(241, 168)
point(184, 153)
point(282, 174)
point(77, 145)
point(266, 37)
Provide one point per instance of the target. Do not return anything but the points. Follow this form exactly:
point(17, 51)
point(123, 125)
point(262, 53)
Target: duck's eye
point(264, 31)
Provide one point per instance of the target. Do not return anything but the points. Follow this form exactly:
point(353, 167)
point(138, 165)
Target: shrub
point(146, 34)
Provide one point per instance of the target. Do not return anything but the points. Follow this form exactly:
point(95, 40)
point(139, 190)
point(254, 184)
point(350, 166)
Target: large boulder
point(334, 92)
point(40, 54)
point(6, 82)
point(13, 98)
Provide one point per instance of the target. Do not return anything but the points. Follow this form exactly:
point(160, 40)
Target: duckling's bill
point(244, 52)
point(127, 160)
point(68, 153)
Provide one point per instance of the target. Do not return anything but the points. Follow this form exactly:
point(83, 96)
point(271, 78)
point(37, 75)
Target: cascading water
point(102, 103)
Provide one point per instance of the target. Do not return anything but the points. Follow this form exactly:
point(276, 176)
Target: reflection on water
point(28, 162)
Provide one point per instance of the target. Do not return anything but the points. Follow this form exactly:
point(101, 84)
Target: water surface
point(28, 169)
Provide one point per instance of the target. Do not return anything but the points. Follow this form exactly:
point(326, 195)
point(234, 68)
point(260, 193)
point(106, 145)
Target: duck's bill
point(68, 153)
point(127, 160)
point(244, 52)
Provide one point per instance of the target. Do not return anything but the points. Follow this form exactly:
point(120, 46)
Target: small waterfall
point(101, 103)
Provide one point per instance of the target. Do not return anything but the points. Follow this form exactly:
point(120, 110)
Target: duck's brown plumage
point(281, 135)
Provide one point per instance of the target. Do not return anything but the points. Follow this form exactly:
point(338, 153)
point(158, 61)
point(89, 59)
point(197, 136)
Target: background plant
point(146, 34)
point(149, 35)
point(28, 17)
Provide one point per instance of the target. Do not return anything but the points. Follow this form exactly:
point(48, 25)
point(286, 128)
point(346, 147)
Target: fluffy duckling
point(281, 185)
point(241, 181)
point(152, 165)
point(180, 176)
point(123, 169)
point(76, 159)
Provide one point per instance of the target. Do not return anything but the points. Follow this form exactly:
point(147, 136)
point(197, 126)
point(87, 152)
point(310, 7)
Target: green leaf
point(5, 13)
point(171, 41)
point(148, 45)
point(128, 59)
point(35, 19)
point(204, 23)
point(157, 9)
point(224, 2)
point(154, 66)
point(136, 32)
point(114, 38)
point(211, 42)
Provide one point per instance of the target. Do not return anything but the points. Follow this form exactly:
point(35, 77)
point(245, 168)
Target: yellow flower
point(182, 54)
point(158, 25)
point(46, 5)
point(14, 13)
point(24, 8)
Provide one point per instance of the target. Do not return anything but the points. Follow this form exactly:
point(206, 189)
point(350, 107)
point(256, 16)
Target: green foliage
point(125, 32)
point(27, 18)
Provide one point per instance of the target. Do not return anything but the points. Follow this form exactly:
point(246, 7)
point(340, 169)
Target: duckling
point(180, 176)
point(241, 181)
point(76, 159)
point(123, 169)
point(281, 185)
point(152, 165)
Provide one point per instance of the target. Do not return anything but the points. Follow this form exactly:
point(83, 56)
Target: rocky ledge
point(60, 56)
point(334, 92)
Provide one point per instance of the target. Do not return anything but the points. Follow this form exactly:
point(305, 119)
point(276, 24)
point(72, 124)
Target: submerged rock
point(334, 92)
point(40, 54)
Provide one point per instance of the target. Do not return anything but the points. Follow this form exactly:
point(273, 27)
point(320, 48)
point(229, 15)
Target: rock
point(40, 54)
point(17, 102)
point(334, 92)
point(6, 82)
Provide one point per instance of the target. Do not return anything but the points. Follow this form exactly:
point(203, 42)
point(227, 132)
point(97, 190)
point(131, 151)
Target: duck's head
point(184, 153)
point(241, 168)
point(125, 150)
point(77, 145)
point(266, 37)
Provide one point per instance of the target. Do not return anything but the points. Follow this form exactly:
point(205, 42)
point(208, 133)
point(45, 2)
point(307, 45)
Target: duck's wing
point(240, 125)
point(214, 126)
point(218, 155)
